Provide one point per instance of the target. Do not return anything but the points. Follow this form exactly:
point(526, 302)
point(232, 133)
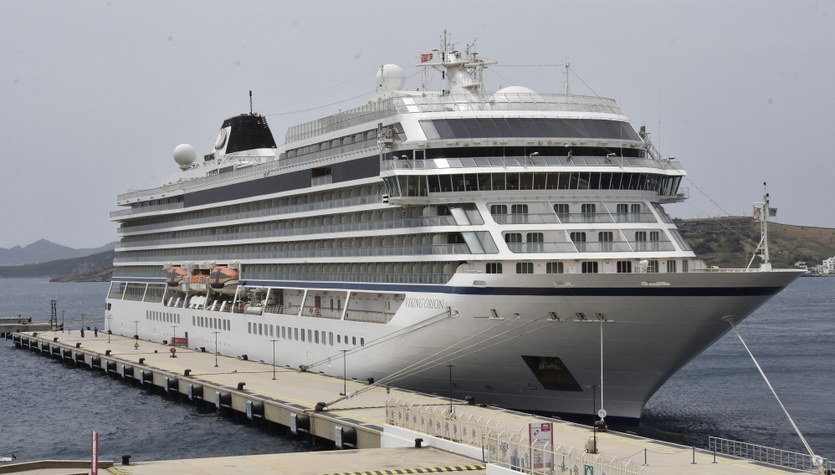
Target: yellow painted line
point(118, 471)
point(453, 468)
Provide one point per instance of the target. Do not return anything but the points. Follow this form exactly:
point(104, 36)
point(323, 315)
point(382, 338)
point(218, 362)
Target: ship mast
point(462, 71)
point(762, 210)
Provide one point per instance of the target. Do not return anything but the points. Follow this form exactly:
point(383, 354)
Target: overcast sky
point(95, 95)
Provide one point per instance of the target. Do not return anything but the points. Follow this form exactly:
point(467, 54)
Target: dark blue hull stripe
point(532, 291)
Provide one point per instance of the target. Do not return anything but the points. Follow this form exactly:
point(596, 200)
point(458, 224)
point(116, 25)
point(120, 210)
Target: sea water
point(49, 410)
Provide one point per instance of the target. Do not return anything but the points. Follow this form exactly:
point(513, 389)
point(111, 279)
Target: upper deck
point(428, 102)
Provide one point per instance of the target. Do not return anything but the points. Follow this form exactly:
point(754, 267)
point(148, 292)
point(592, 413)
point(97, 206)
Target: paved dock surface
point(396, 460)
point(369, 407)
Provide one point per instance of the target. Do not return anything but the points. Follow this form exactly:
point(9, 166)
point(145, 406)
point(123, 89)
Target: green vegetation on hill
point(730, 241)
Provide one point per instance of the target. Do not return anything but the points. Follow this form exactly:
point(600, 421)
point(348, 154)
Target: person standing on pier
point(82, 332)
point(96, 332)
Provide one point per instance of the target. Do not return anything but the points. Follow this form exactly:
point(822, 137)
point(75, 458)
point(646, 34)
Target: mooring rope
point(817, 460)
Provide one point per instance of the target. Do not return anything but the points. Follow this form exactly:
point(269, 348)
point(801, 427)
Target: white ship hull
point(649, 332)
point(509, 245)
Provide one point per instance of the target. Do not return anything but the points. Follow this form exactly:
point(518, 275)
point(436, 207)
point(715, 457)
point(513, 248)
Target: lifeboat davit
point(198, 282)
point(224, 280)
point(175, 276)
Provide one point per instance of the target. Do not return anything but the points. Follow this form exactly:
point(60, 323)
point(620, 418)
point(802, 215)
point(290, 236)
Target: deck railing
point(500, 446)
point(767, 455)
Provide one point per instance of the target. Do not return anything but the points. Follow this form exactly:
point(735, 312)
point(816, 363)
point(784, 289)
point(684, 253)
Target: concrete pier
point(485, 439)
point(23, 324)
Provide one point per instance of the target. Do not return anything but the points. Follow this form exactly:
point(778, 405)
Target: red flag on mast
point(424, 57)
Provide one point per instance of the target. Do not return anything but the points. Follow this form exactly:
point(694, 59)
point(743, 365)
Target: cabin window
point(579, 240)
point(562, 211)
point(605, 239)
point(554, 268)
point(498, 209)
point(652, 267)
point(524, 267)
point(624, 267)
point(494, 267)
point(589, 267)
point(671, 267)
point(512, 238)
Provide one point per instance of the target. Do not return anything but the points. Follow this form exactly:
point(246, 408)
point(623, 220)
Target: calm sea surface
point(48, 410)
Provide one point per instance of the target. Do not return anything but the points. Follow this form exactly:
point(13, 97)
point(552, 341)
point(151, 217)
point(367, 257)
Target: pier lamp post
point(109, 324)
point(273, 358)
point(344, 372)
point(450, 389)
point(136, 328)
point(593, 416)
point(174, 336)
point(215, 348)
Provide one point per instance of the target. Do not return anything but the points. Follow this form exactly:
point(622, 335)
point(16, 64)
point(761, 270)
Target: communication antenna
point(250, 102)
point(567, 69)
point(762, 210)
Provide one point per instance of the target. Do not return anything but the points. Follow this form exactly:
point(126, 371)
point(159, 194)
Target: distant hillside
point(45, 251)
point(94, 268)
point(730, 241)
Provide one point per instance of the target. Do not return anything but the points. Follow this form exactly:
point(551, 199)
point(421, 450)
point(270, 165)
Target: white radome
point(390, 77)
point(512, 93)
point(184, 155)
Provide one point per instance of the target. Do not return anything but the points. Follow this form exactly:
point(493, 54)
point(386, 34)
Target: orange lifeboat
point(198, 282)
point(224, 279)
point(175, 276)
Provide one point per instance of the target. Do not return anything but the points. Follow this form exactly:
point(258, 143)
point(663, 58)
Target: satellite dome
point(390, 77)
point(512, 93)
point(184, 155)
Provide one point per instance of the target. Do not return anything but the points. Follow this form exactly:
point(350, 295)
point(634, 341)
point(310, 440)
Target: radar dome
point(184, 155)
point(513, 93)
point(390, 77)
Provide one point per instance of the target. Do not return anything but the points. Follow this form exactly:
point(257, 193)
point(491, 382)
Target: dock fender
point(171, 384)
point(195, 391)
point(254, 409)
point(222, 399)
point(344, 436)
point(299, 422)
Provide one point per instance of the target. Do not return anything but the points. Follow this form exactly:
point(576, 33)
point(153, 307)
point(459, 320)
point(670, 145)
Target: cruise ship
point(507, 247)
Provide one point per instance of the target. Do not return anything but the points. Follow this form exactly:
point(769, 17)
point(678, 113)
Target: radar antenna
point(762, 211)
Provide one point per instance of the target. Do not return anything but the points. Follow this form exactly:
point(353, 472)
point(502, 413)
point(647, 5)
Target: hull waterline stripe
point(519, 291)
